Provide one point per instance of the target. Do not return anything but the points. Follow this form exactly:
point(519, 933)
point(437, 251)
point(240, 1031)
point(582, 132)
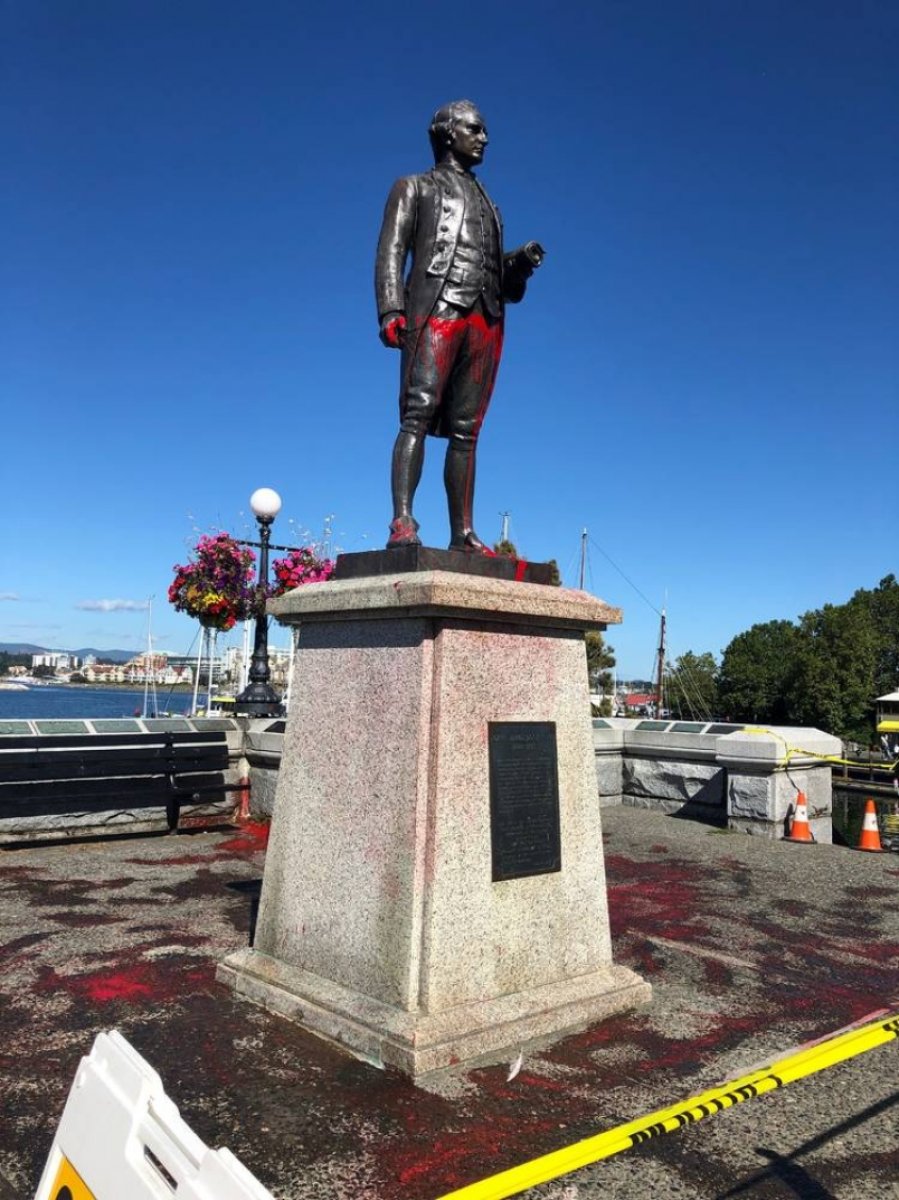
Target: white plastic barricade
point(121, 1137)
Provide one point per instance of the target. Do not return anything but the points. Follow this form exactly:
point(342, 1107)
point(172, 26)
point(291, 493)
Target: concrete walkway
point(752, 948)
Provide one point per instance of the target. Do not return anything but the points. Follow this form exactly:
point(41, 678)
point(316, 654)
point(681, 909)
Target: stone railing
point(728, 775)
point(263, 743)
point(717, 773)
point(712, 772)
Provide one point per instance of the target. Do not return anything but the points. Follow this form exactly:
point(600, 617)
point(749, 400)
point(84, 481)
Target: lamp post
point(259, 699)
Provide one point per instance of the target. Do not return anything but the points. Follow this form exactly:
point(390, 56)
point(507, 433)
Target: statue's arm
point(518, 266)
point(394, 244)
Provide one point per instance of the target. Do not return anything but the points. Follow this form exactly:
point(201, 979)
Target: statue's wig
point(440, 131)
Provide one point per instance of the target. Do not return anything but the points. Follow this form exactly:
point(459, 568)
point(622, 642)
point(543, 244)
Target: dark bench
point(116, 776)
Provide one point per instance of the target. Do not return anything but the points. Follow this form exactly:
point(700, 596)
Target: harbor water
point(47, 702)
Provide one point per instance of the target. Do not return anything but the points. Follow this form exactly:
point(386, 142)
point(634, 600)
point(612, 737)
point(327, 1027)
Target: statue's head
point(458, 129)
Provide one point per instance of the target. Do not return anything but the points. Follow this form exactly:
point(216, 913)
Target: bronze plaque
point(524, 799)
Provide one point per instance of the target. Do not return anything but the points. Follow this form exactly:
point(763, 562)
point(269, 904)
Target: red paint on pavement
point(253, 837)
point(84, 920)
point(174, 860)
point(458, 1156)
point(131, 983)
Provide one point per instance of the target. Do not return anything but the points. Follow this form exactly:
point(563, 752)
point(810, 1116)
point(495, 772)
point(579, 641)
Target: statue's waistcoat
point(474, 264)
point(441, 219)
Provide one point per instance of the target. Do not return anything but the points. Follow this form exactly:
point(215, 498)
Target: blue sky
point(704, 373)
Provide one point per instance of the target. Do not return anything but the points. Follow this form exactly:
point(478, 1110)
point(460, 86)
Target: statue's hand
point(534, 253)
point(527, 258)
point(393, 326)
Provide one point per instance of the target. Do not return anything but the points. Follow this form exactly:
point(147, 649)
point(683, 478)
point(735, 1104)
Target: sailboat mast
point(660, 659)
point(583, 571)
point(149, 666)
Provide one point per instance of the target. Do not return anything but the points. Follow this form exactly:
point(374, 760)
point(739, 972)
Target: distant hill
point(84, 652)
point(114, 655)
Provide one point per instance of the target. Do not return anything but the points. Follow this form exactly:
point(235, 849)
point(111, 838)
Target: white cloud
point(107, 606)
point(10, 596)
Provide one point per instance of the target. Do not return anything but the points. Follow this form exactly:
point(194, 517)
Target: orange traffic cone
point(800, 830)
point(870, 838)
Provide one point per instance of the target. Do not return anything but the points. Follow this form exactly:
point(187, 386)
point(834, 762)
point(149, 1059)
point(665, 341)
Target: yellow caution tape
point(817, 1057)
point(793, 751)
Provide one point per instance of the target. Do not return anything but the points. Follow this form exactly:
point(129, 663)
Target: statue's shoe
point(403, 532)
point(472, 544)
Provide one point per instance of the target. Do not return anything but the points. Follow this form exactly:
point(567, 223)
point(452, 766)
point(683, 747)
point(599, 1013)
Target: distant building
point(888, 713)
point(104, 673)
point(158, 668)
point(278, 661)
point(641, 702)
point(59, 660)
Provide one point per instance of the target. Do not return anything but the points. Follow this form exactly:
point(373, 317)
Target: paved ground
point(751, 947)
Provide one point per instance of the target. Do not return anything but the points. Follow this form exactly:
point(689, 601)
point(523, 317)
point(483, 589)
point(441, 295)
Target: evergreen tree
point(600, 661)
point(757, 668)
point(691, 687)
point(833, 686)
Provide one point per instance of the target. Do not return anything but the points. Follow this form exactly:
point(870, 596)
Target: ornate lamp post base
point(258, 700)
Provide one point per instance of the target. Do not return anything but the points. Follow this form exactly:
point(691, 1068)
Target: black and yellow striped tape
point(814, 1058)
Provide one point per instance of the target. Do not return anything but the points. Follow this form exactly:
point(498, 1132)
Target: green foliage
point(43, 671)
point(8, 660)
point(691, 687)
point(882, 605)
point(556, 574)
point(833, 681)
point(755, 680)
point(825, 671)
point(600, 661)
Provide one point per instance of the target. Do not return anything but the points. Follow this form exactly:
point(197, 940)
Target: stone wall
point(717, 773)
point(724, 775)
point(262, 748)
point(732, 776)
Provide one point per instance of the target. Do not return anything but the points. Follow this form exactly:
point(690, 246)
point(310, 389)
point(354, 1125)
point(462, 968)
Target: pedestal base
point(434, 885)
point(417, 1043)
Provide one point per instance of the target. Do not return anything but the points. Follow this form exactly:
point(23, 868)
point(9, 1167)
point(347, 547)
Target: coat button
point(444, 228)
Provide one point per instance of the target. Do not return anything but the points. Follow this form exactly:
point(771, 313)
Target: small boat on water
point(13, 687)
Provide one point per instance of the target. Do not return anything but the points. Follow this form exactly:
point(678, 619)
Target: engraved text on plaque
point(524, 799)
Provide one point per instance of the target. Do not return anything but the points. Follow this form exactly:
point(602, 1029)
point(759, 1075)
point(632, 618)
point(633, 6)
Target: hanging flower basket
point(217, 586)
point(299, 567)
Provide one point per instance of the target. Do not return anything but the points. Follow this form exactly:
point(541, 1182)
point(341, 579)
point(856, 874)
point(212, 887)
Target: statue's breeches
point(448, 371)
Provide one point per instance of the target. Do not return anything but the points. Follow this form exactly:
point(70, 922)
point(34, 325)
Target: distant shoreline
point(124, 687)
point(106, 687)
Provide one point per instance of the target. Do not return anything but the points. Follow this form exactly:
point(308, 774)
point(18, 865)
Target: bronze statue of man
point(446, 315)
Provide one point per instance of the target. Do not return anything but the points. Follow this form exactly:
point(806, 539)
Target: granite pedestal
point(381, 925)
